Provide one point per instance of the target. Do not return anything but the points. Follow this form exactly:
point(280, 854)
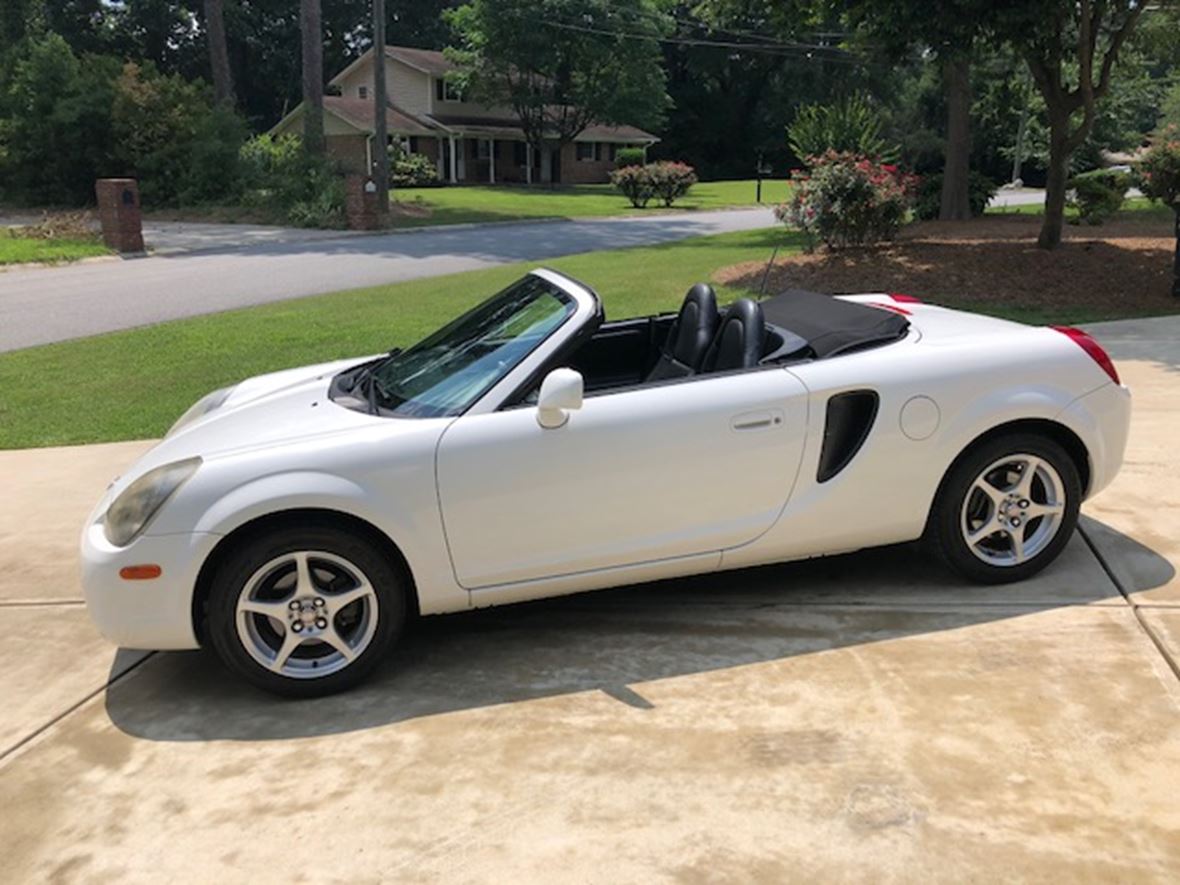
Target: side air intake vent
point(849, 420)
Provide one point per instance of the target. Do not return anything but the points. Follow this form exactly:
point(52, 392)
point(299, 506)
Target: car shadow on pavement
point(612, 641)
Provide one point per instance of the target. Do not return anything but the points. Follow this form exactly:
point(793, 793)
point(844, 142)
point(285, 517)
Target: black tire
point(389, 600)
point(946, 532)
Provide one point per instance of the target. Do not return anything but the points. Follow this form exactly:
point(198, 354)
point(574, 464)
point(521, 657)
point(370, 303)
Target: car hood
point(267, 410)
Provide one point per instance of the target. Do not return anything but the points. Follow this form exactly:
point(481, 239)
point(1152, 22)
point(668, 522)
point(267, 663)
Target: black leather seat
point(689, 337)
point(739, 339)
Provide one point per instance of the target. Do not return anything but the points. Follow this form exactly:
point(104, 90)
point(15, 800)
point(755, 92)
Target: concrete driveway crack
point(1134, 606)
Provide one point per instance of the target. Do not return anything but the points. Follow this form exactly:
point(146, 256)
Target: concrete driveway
point(859, 717)
point(42, 305)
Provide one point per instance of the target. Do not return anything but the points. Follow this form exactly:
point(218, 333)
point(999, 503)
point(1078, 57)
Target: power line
point(780, 49)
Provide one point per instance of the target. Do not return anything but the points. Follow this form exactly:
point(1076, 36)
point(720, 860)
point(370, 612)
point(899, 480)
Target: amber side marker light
point(140, 572)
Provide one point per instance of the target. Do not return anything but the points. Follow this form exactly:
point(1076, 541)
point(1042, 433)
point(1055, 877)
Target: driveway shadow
point(610, 640)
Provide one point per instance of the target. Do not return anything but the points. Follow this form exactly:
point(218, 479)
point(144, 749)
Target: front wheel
point(305, 612)
point(1007, 509)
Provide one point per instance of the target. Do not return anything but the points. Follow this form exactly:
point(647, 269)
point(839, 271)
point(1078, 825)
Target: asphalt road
point(42, 305)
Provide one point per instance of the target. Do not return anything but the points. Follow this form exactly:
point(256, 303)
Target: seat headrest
point(695, 326)
point(738, 342)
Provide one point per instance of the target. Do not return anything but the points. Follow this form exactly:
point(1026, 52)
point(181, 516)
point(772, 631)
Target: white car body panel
point(522, 503)
point(640, 484)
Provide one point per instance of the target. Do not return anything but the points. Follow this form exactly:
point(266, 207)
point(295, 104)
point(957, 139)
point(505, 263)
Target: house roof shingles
point(431, 61)
point(359, 113)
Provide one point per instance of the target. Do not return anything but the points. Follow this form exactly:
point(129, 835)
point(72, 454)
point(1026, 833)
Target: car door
point(634, 476)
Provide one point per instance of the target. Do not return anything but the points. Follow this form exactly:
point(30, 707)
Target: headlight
point(201, 407)
point(130, 513)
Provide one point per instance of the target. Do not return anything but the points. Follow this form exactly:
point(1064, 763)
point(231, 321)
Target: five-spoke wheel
point(1007, 508)
point(305, 611)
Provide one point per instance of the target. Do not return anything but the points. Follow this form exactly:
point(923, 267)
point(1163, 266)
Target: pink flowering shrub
point(848, 200)
point(1159, 169)
point(666, 180)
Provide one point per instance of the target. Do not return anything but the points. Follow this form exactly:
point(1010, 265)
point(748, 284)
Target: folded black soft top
point(832, 326)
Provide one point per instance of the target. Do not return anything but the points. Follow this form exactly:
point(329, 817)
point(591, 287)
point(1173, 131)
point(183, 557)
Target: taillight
point(904, 299)
point(1093, 348)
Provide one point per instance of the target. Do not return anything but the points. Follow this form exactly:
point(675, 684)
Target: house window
point(520, 153)
point(586, 150)
point(445, 90)
point(362, 91)
point(483, 148)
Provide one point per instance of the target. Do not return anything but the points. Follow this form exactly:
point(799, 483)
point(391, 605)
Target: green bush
point(848, 200)
point(629, 156)
point(670, 181)
point(1097, 195)
point(635, 184)
point(1158, 172)
point(928, 200)
point(280, 177)
point(851, 125)
point(66, 120)
point(667, 180)
point(411, 170)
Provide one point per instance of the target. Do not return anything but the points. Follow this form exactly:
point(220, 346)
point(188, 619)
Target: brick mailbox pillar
point(361, 203)
point(119, 211)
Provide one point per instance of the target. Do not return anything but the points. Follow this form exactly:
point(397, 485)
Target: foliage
point(635, 184)
point(848, 200)
point(280, 176)
point(168, 134)
point(1158, 171)
point(667, 180)
point(629, 156)
point(67, 120)
point(1098, 194)
point(851, 125)
point(563, 64)
point(411, 170)
point(928, 199)
point(670, 181)
point(55, 124)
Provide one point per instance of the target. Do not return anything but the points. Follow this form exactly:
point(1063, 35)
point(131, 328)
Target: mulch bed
point(1122, 268)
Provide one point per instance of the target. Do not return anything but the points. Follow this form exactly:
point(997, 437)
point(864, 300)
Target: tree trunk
point(311, 31)
point(223, 81)
point(956, 78)
point(380, 133)
point(1050, 236)
point(1176, 260)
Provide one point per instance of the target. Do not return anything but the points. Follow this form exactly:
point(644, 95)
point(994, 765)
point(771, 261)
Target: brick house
point(468, 142)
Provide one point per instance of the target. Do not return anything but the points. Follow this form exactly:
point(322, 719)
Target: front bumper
point(154, 614)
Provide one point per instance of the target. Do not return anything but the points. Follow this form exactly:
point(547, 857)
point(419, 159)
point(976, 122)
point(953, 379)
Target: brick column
point(119, 211)
point(361, 203)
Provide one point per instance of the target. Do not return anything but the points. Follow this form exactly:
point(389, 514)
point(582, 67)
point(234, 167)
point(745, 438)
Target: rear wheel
point(305, 612)
point(1007, 508)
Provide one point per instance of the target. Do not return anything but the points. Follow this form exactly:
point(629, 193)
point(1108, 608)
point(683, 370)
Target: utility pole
point(380, 133)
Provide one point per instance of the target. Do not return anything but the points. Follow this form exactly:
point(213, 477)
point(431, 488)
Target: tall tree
point(1071, 49)
point(223, 81)
point(380, 135)
point(950, 29)
point(563, 64)
point(312, 50)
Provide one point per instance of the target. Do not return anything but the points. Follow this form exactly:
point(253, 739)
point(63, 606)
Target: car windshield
point(446, 372)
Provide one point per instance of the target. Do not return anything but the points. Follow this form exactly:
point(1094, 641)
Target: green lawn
point(1137, 205)
point(472, 203)
point(18, 250)
point(133, 384)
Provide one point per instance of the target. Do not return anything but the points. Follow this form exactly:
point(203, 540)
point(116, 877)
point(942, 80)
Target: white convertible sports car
point(530, 449)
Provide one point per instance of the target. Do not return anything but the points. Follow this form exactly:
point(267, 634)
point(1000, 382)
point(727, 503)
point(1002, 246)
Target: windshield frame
point(587, 308)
